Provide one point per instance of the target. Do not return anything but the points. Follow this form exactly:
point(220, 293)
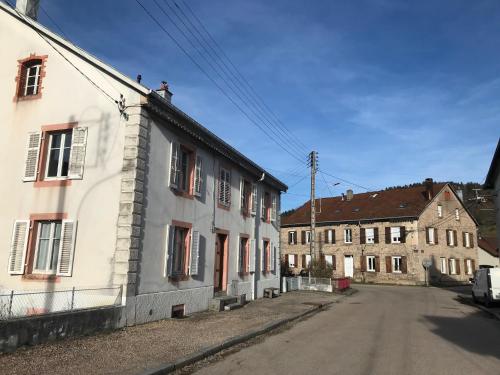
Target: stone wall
point(35, 330)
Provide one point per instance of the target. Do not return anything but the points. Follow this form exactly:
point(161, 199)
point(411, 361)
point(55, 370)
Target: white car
point(486, 286)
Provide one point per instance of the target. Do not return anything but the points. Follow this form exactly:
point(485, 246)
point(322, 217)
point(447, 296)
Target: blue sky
point(388, 92)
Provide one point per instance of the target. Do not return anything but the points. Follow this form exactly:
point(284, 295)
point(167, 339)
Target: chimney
point(349, 194)
point(29, 8)
point(164, 92)
point(429, 188)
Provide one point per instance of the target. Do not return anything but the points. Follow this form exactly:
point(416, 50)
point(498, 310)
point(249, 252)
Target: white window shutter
point(242, 194)
point(254, 199)
point(66, 248)
point(198, 177)
point(273, 207)
point(227, 189)
point(32, 156)
point(262, 255)
point(169, 248)
point(195, 252)
point(18, 246)
point(252, 256)
point(273, 257)
point(174, 165)
point(77, 156)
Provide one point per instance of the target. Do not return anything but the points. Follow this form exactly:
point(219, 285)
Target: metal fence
point(18, 304)
point(309, 283)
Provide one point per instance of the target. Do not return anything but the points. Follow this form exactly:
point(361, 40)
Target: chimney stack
point(164, 92)
point(349, 194)
point(429, 188)
point(29, 8)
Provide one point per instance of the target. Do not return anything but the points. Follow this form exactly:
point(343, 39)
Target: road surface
point(380, 330)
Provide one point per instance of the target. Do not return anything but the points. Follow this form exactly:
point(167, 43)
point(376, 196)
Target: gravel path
point(131, 350)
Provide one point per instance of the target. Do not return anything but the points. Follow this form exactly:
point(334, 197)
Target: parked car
point(486, 286)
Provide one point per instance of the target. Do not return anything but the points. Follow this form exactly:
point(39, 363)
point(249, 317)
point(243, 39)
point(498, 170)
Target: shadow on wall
point(475, 332)
point(438, 278)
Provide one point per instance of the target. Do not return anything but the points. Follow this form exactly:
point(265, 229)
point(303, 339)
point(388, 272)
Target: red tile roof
point(488, 244)
point(393, 203)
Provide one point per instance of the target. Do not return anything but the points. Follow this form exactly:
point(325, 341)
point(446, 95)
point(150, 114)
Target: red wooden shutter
point(333, 235)
point(427, 235)
point(436, 236)
point(463, 239)
point(334, 263)
point(375, 235)
point(387, 234)
point(303, 235)
point(377, 264)
point(402, 231)
point(457, 264)
point(404, 265)
point(362, 236)
point(363, 263)
point(455, 238)
point(388, 264)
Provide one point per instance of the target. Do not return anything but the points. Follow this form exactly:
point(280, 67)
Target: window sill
point(53, 183)
point(183, 194)
point(42, 277)
point(179, 277)
point(24, 98)
point(223, 207)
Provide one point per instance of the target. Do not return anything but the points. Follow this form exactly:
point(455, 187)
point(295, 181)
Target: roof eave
point(489, 183)
point(319, 223)
point(166, 110)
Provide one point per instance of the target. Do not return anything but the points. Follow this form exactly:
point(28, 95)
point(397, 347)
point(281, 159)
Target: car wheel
point(474, 297)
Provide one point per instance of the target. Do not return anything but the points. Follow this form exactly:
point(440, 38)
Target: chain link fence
point(19, 304)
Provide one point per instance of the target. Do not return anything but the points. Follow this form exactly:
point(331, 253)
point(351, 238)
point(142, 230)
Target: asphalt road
point(380, 330)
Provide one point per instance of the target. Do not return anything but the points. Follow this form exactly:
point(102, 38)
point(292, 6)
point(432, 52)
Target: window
point(184, 172)
point(254, 199)
point(443, 265)
point(467, 241)
point(58, 153)
point(243, 255)
point(347, 235)
point(440, 210)
point(468, 266)
point(370, 263)
point(451, 237)
point(245, 196)
point(292, 261)
point(307, 261)
point(224, 187)
point(266, 256)
point(266, 198)
point(329, 260)
point(453, 266)
point(308, 236)
point(179, 251)
point(395, 235)
point(447, 195)
point(430, 236)
point(198, 177)
point(29, 80)
point(370, 235)
point(457, 214)
point(62, 153)
point(47, 247)
point(397, 264)
point(292, 238)
point(329, 236)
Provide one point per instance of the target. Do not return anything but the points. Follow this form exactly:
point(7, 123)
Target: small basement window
point(178, 312)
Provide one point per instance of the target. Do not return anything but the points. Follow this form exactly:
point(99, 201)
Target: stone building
point(106, 183)
point(384, 236)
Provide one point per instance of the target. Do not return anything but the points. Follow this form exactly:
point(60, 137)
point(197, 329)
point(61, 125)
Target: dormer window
point(29, 77)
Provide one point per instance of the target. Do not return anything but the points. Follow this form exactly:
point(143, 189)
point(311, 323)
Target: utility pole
point(312, 249)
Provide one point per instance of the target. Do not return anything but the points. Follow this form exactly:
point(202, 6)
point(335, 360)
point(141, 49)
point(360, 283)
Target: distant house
point(493, 182)
point(384, 236)
point(107, 184)
point(487, 253)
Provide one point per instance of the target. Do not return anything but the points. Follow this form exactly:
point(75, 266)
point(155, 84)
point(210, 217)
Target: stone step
point(233, 306)
point(218, 303)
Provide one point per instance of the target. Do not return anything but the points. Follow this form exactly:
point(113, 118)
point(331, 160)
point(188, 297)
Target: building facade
point(384, 237)
point(488, 254)
point(110, 184)
point(492, 182)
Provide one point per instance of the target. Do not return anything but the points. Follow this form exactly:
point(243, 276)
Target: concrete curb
point(214, 349)
point(494, 314)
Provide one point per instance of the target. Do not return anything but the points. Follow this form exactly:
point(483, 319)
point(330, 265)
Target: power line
point(212, 54)
point(155, 20)
point(347, 181)
point(247, 86)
